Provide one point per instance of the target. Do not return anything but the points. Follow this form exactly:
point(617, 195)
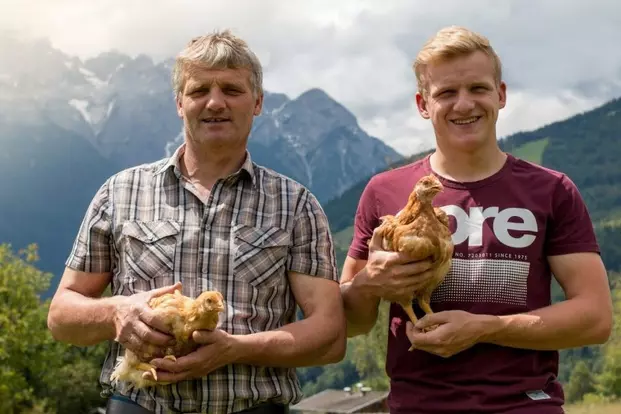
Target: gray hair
point(218, 50)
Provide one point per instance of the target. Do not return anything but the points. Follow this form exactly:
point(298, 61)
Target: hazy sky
point(559, 56)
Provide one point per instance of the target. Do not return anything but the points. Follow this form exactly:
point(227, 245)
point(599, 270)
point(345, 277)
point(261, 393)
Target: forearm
point(316, 340)
point(80, 320)
point(360, 308)
point(572, 323)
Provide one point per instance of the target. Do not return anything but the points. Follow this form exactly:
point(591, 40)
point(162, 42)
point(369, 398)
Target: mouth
point(466, 121)
point(215, 120)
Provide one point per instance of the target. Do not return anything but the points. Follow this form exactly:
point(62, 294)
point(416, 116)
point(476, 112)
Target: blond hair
point(448, 43)
point(218, 50)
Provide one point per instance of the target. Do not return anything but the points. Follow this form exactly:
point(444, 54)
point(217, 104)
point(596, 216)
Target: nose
point(464, 102)
point(216, 101)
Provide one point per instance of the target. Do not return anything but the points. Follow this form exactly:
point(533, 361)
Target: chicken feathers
point(183, 316)
point(422, 232)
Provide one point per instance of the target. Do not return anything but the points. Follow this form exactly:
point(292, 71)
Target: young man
point(514, 225)
point(207, 218)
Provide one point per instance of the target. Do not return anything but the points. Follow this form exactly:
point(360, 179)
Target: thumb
point(203, 337)
point(432, 319)
point(166, 289)
point(375, 243)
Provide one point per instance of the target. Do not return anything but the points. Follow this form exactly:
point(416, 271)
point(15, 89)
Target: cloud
point(559, 57)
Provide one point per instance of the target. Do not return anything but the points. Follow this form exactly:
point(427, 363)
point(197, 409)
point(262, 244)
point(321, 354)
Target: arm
point(79, 316)
point(75, 315)
point(311, 266)
point(386, 275)
point(318, 339)
point(361, 306)
point(585, 318)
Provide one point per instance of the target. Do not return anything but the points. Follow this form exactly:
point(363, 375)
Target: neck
point(205, 166)
point(468, 166)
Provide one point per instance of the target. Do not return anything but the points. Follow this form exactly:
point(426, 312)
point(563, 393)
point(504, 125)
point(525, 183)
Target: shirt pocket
point(260, 255)
point(150, 248)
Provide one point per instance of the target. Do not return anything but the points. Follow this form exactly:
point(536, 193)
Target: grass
point(343, 238)
point(532, 151)
point(613, 408)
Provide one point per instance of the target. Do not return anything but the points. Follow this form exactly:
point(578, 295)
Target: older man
point(515, 225)
point(207, 218)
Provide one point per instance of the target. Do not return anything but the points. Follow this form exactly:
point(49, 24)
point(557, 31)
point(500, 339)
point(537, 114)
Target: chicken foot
point(423, 302)
point(150, 372)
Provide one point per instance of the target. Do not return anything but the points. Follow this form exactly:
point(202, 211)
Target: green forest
point(40, 375)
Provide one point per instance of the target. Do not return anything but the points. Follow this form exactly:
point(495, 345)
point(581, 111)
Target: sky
point(559, 57)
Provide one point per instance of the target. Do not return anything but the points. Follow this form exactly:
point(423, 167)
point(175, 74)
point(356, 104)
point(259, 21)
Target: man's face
point(463, 100)
point(217, 106)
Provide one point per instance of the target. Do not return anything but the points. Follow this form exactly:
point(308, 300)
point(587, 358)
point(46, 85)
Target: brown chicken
point(183, 315)
point(422, 232)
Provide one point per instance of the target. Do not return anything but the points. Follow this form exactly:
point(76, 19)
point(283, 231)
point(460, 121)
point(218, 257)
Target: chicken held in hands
point(183, 315)
point(422, 232)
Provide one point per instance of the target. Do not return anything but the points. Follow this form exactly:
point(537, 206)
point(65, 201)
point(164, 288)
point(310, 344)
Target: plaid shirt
point(149, 228)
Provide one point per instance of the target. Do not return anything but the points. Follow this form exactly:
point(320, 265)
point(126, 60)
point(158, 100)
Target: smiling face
point(462, 100)
point(217, 106)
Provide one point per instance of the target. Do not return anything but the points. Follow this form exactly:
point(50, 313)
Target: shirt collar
point(173, 161)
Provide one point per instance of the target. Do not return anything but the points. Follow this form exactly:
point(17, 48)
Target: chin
point(468, 142)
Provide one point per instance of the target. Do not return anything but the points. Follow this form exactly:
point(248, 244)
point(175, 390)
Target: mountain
point(67, 124)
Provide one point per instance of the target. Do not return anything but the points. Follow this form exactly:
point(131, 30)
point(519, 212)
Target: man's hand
point(389, 274)
point(456, 331)
point(138, 328)
point(217, 350)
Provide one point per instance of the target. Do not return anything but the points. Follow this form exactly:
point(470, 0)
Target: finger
point(415, 335)
point(163, 290)
point(204, 337)
point(163, 376)
point(417, 269)
point(142, 350)
point(185, 363)
point(152, 336)
point(154, 321)
point(431, 319)
point(376, 240)
point(131, 342)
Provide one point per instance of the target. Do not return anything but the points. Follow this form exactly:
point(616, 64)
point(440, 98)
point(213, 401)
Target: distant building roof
point(340, 401)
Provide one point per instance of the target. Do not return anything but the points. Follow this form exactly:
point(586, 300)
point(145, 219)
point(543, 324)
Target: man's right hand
point(139, 328)
point(389, 275)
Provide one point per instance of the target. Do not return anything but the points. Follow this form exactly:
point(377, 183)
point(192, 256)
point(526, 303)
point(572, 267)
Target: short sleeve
point(570, 229)
point(312, 250)
point(366, 220)
point(92, 248)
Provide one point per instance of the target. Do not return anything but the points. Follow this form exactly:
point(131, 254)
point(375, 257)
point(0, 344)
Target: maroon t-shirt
point(503, 228)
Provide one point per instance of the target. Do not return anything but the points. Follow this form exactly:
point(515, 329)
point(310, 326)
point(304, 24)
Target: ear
point(258, 105)
point(179, 105)
point(421, 104)
point(502, 94)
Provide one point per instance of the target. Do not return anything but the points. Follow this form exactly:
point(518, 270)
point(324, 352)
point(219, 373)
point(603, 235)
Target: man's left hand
point(217, 350)
point(455, 332)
